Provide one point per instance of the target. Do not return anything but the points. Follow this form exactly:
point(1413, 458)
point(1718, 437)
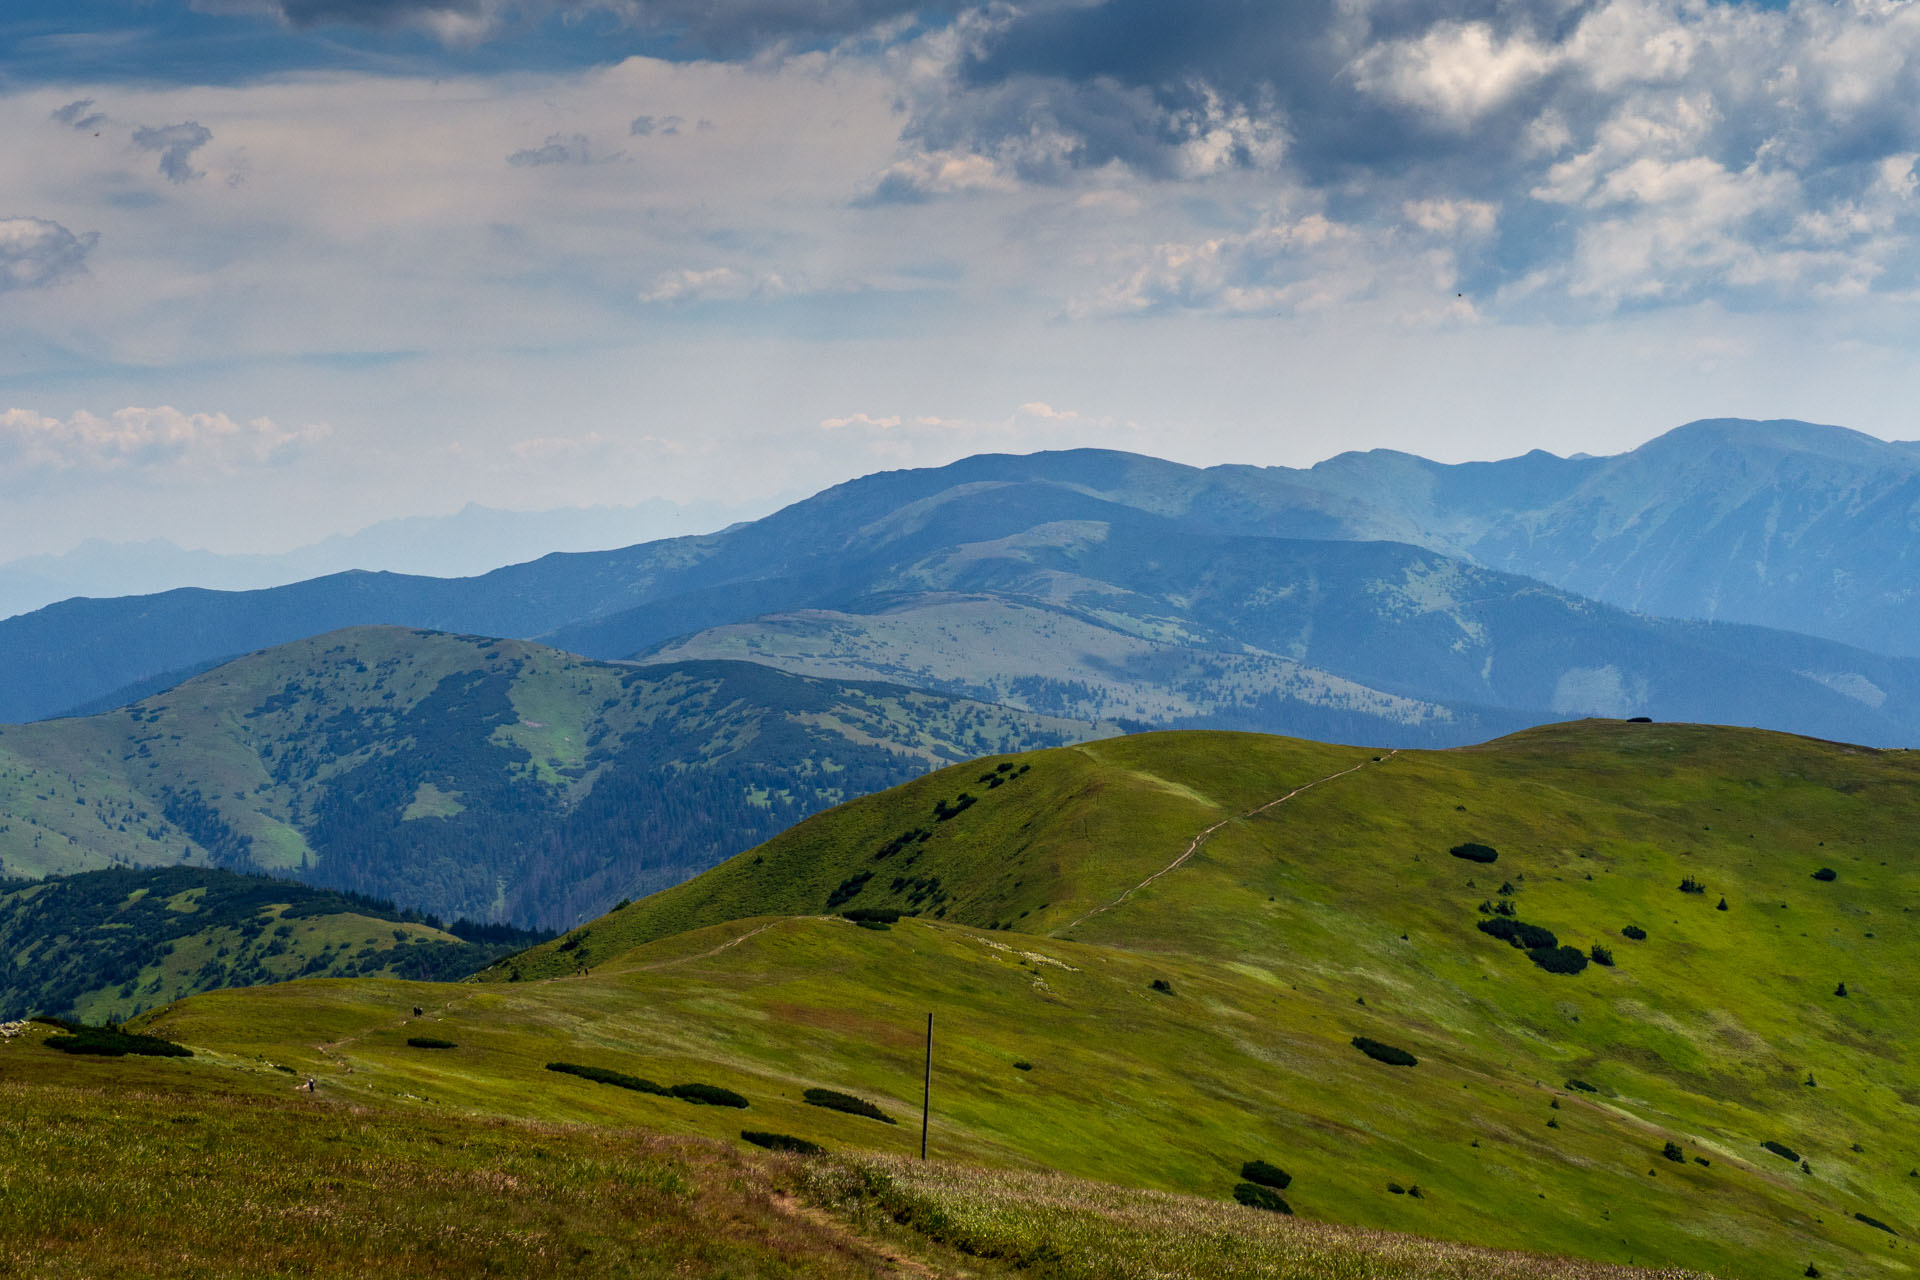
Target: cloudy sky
point(272, 269)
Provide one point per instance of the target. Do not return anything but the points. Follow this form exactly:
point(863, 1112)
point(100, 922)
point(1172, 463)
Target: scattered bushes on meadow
point(1875, 1222)
point(707, 1095)
point(1261, 1198)
point(1161, 985)
point(1559, 959)
point(1634, 932)
point(110, 1042)
point(1581, 1086)
point(1690, 885)
point(942, 811)
point(1473, 851)
point(1826, 873)
point(833, 1100)
point(874, 915)
point(1673, 1152)
point(1602, 955)
point(1266, 1175)
point(1385, 1053)
point(918, 835)
point(430, 1042)
point(1527, 937)
point(782, 1142)
point(1782, 1150)
point(849, 889)
point(600, 1075)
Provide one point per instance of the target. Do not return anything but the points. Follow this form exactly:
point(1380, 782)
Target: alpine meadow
point(996, 640)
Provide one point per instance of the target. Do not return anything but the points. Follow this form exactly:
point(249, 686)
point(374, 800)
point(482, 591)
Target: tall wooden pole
point(926, 1091)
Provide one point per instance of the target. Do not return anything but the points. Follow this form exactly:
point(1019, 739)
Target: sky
point(277, 269)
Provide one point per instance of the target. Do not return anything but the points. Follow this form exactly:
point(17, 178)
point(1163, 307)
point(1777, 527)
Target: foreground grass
point(183, 1169)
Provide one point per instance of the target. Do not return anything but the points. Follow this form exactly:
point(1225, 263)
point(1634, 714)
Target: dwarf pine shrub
point(1473, 851)
point(1528, 937)
point(1385, 1053)
point(1782, 1150)
point(1566, 960)
point(600, 1075)
point(1673, 1152)
point(1634, 932)
point(782, 1142)
point(1266, 1175)
point(429, 1042)
point(1602, 955)
point(1261, 1198)
point(707, 1095)
point(110, 1042)
point(1689, 885)
point(833, 1100)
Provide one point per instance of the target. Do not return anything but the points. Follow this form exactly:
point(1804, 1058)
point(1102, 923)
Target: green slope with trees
point(466, 776)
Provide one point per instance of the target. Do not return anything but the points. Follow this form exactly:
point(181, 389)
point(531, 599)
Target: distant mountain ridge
point(1369, 570)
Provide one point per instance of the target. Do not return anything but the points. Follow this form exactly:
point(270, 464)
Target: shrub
point(1840, 990)
point(1874, 1222)
point(1582, 1086)
point(600, 1075)
point(1266, 1175)
point(1261, 1198)
point(1023, 1065)
point(1690, 885)
point(833, 1100)
point(1634, 932)
point(1515, 933)
point(1602, 955)
point(1782, 1150)
point(1161, 985)
point(1722, 906)
point(110, 1042)
point(848, 889)
point(1559, 959)
point(1673, 1152)
point(707, 1095)
point(1703, 1162)
point(428, 1042)
point(1826, 873)
point(1812, 1272)
point(782, 1142)
point(1385, 1053)
point(1396, 1189)
point(878, 926)
point(873, 915)
point(1473, 851)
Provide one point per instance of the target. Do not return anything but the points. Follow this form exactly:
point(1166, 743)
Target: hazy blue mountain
point(1291, 600)
point(472, 540)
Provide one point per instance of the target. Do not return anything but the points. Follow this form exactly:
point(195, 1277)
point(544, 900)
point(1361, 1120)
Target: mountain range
point(1354, 599)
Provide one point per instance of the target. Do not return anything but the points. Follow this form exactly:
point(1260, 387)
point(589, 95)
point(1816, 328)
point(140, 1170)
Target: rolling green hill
point(1153, 959)
point(464, 776)
point(110, 944)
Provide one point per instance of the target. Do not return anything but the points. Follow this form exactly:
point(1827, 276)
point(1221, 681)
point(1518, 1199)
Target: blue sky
point(273, 269)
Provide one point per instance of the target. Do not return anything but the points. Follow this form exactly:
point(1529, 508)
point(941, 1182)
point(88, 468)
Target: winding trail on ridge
point(1201, 839)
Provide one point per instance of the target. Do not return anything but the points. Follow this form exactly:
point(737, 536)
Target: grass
point(1287, 934)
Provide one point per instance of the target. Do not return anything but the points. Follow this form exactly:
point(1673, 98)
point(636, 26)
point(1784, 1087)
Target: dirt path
point(1201, 839)
point(705, 955)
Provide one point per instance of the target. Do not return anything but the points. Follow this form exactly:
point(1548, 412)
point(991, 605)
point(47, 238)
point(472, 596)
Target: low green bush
point(428, 1042)
point(1673, 1152)
point(1602, 955)
point(1385, 1053)
point(1161, 985)
point(1261, 1198)
point(1782, 1150)
point(1826, 873)
point(833, 1100)
point(1634, 932)
point(707, 1095)
point(1582, 1086)
point(782, 1142)
point(848, 889)
point(1689, 885)
point(1565, 960)
point(1517, 933)
point(600, 1075)
point(110, 1042)
point(1266, 1175)
point(1473, 851)
point(1875, 1222)
point(1023, 1065)
point(873, 915)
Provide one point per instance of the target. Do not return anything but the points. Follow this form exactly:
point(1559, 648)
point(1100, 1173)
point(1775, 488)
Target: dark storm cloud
point(176, 144)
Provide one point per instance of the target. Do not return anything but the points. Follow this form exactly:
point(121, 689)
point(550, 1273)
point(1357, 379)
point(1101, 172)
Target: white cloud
point(35, 253)
point(718, 284)
point(1459, 72)
point(160, 441)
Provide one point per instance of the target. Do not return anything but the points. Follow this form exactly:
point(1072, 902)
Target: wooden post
point(926, 1092)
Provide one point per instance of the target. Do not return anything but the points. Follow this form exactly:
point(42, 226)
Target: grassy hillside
point(465, 776)
point(111, 944)
point(1192, 932)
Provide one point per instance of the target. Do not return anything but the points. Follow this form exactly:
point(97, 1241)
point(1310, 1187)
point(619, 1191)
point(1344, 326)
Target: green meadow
point(1125, 1014)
